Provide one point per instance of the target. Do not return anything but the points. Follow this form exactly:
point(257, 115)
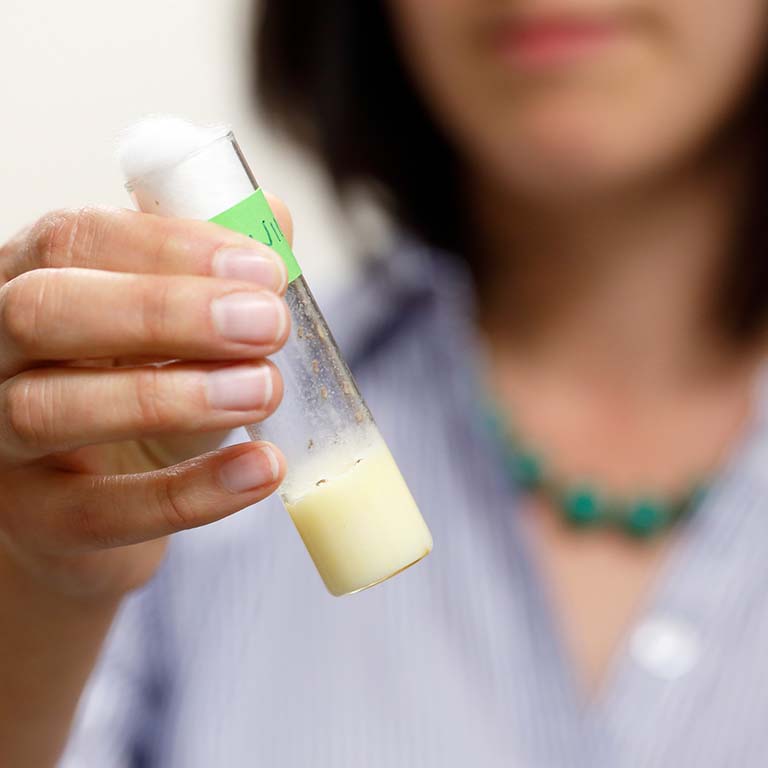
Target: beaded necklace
point(582, 504)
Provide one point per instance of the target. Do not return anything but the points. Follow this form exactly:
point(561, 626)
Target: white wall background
point(74, 72)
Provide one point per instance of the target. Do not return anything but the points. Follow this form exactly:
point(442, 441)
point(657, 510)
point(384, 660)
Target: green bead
point(645, 518)
point(492, 422)
point(582, 507)
point(527, 470)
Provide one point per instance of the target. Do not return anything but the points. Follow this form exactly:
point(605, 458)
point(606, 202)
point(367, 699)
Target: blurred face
point(565, 97)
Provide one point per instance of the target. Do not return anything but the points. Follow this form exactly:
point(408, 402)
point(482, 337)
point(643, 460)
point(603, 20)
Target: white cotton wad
point(175, 168)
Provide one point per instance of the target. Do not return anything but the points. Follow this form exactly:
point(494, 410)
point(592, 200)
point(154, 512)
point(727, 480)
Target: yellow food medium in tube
point(361, 526)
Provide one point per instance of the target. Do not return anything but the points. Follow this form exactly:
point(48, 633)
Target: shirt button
point(665, 647)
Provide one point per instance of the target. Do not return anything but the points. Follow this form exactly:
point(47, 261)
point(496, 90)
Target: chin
point(568, 157)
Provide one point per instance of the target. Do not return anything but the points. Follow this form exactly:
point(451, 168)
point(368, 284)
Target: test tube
point(343, 489)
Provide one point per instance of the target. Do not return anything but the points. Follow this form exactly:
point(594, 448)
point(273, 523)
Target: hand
point(97, 427)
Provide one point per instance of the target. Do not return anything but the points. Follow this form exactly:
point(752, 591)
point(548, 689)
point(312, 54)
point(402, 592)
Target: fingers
point(52, 314)
point(47, 411)
point(119, 240)
point(49, 511)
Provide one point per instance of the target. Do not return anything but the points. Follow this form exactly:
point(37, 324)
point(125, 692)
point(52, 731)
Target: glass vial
point(343, 490)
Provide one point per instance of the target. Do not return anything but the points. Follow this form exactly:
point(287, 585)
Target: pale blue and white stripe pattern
point(236, 657)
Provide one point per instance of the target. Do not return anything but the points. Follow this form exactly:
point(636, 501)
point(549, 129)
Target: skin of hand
point(129, 343)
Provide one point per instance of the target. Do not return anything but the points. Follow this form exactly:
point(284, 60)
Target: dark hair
point(330, 75)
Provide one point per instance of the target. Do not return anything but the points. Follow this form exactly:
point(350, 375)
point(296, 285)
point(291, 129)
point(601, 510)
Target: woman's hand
point(97, 428)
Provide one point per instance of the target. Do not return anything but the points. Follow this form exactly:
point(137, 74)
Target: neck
point(618, 291)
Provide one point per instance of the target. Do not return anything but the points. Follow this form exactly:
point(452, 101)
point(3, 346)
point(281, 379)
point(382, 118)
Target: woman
point(564, 349)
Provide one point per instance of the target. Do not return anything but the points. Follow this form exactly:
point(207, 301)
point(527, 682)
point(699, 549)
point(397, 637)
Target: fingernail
point(257, 265)
point(253, 318)
point(240, 388)
point(250, 470)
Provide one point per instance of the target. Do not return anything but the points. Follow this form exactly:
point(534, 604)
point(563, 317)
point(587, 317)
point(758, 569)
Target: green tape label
point(254, 217)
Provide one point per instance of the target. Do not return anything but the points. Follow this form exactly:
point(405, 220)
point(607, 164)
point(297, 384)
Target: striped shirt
point(234, 656)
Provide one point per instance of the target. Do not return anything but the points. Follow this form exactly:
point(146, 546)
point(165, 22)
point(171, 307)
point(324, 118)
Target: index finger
point(121, 240)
